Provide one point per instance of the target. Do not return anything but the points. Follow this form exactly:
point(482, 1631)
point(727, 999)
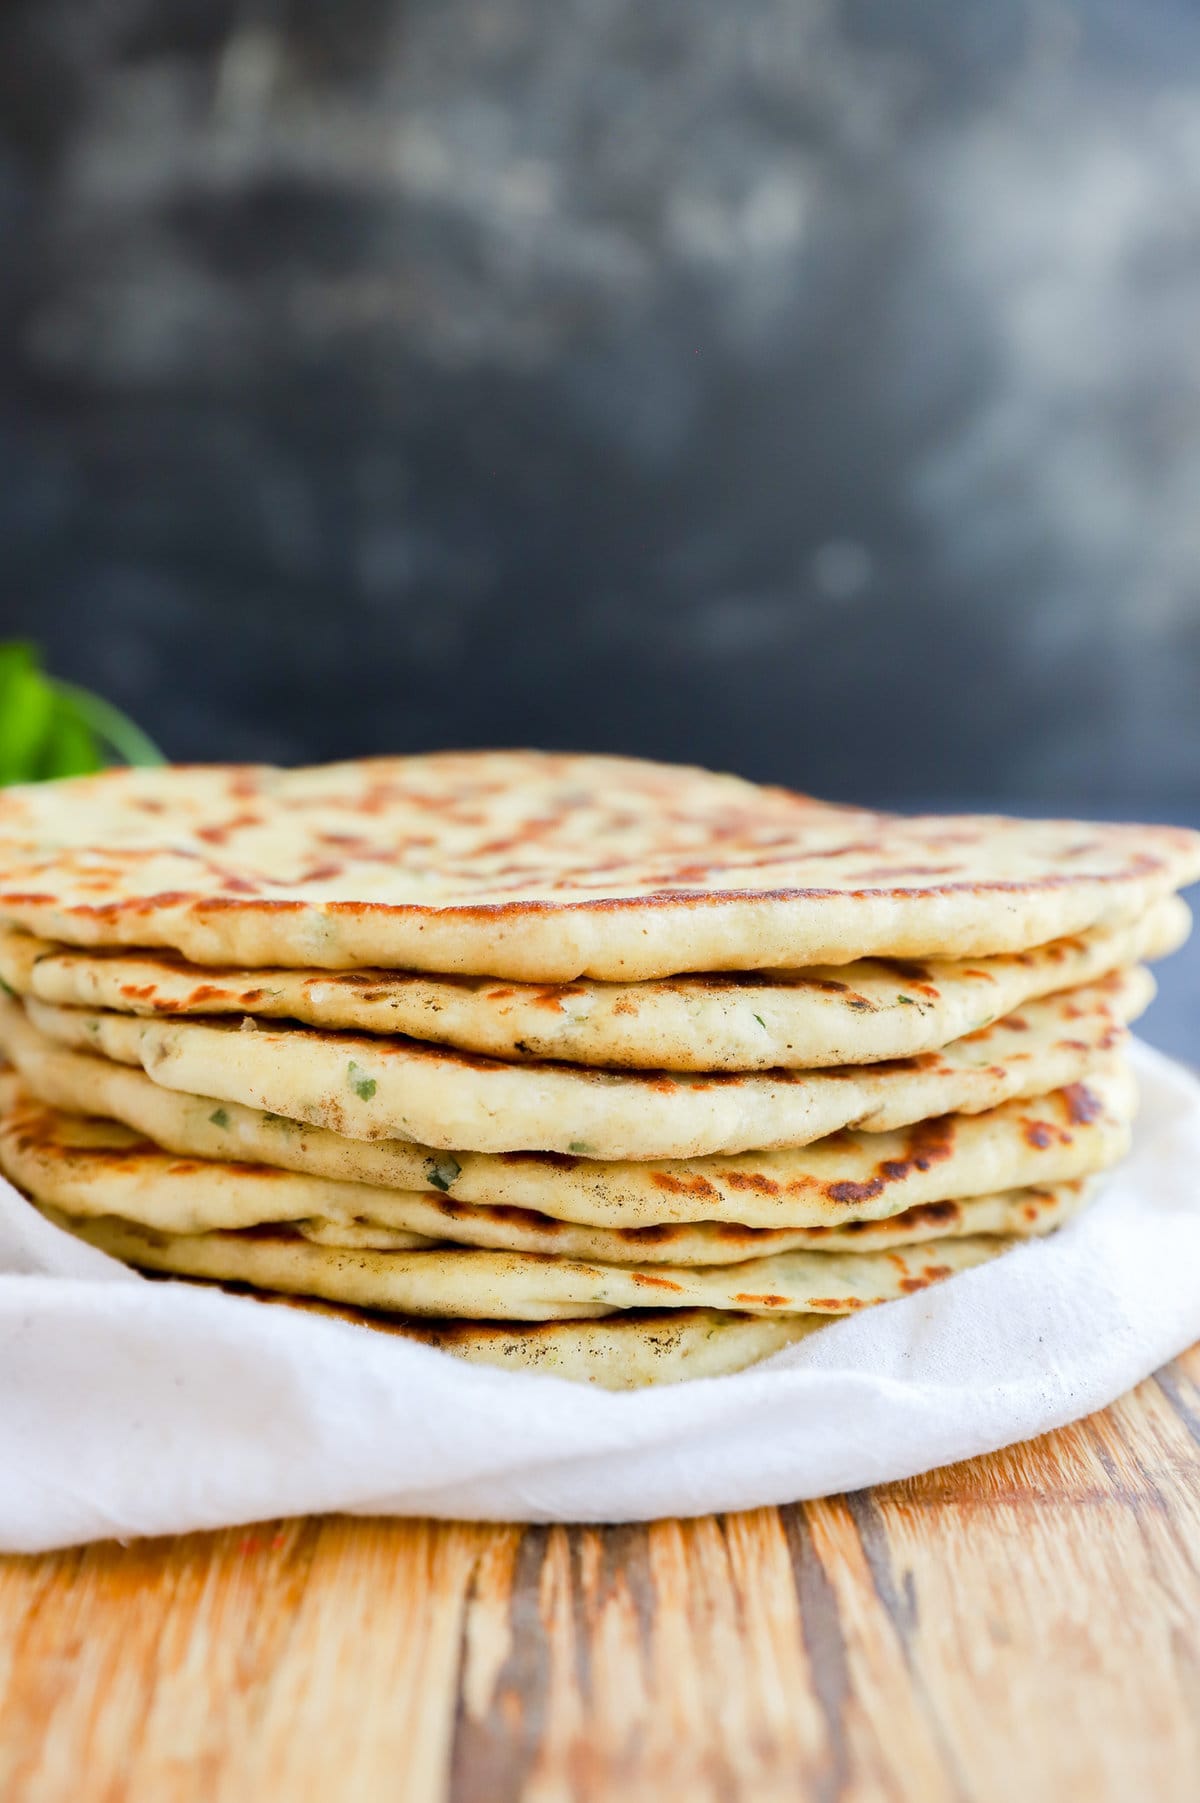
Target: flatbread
point(92, 1166)
point(86, 1166)
point(372, 1088)
point(516, 1286)
point(1018, 1213)
point(621, 1352)
point(618, 1352)
point(739, 1021)
point(547, 867)
point(851, 1174)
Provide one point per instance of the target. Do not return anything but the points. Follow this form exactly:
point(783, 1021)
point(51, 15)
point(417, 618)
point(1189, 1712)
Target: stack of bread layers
point(610, 1069)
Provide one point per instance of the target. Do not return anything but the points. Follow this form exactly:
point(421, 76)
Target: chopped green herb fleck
point(442, 1172)
point(363, 1087)
point(219, 1118)
point(906, 998)
point(580, 1147)
point(762, 1023)
point(8, 989)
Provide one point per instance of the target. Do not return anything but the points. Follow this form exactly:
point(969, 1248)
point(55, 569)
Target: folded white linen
point(130, 1408)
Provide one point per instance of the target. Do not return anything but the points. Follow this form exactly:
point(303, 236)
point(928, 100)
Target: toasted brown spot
point(752, 1180)
point(1083, 1104)
point(849, 1193)
point(346, 841)
point(219, 835)
point(927, 1144)
point(906, 970)
point(895, 870)
point(939, 1214)
point(658, 1283)
point(552, 997)
point(930, 1274)
point(771, 1301)
point(322, 873)
point(683, 1186)
point(529, 1218)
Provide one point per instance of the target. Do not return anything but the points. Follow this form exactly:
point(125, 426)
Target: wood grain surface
point(1025, 1626)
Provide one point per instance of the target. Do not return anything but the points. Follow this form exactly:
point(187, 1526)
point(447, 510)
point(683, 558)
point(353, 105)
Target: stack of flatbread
point(611, 1069)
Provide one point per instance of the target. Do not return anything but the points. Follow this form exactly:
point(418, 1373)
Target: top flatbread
point(856, 1013)
point(546, 868)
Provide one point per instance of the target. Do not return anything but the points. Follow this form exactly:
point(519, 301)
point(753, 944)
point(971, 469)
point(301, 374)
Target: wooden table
point(1025, 1627)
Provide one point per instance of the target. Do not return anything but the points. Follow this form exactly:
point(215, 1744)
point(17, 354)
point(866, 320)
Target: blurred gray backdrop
point(810, 387)
point(807, 387)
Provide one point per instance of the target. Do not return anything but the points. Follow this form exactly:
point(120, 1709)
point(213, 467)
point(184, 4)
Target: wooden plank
point(1025, 1625)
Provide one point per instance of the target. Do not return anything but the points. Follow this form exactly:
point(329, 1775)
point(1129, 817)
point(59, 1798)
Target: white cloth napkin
point(131, 1408)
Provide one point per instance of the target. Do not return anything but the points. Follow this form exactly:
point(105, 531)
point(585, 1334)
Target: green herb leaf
point(71, 749)
point(363, 1087)
point(26, 708)
point(219, 1118)
point(50, 728)
point(7, 989)
point(580, 1147)
point(442, 1172)
point(762, 1023)
point(110, 726)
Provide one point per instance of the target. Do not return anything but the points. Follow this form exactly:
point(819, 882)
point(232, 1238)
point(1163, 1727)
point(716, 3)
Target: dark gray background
point(809, 387)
